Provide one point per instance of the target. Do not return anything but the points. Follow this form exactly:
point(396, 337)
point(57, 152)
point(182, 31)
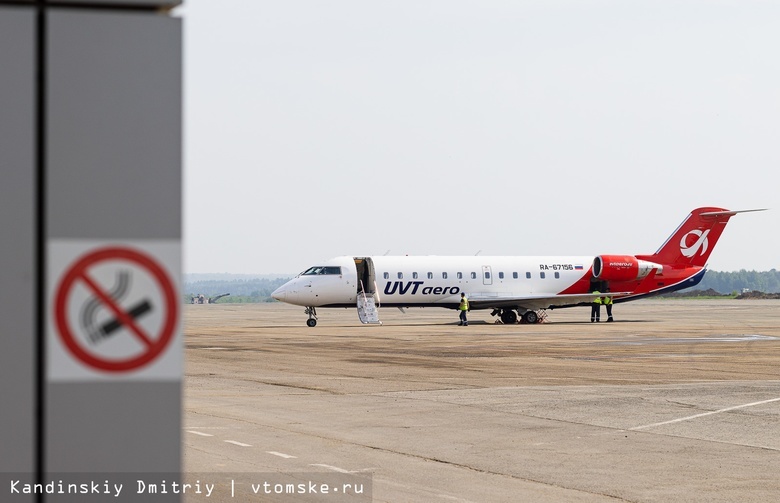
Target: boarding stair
point(368, 312)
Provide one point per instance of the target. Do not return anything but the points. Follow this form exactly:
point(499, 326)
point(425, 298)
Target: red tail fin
point(695, 238)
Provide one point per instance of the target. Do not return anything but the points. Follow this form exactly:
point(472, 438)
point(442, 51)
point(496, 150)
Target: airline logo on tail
point(701, 243)
point(695, 238)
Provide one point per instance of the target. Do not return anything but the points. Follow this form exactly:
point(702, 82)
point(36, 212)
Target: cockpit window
point(319, 269)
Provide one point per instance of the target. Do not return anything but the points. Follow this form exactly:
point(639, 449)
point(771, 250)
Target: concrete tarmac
point(678, 400)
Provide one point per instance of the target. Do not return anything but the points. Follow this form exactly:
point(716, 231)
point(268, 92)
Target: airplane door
point(366, 291)
point(487, 275)
point(366, 280)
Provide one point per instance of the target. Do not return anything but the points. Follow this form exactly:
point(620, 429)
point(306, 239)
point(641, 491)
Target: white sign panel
point(114, 310)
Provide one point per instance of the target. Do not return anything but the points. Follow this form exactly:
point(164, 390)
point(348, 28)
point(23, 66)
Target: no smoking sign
point(114, 311)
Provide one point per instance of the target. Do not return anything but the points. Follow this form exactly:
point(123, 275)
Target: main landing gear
point(531, 317)
point(312, 321)
point(510, 316)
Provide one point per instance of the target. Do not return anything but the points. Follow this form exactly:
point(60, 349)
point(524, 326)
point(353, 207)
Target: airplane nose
point(280, 293)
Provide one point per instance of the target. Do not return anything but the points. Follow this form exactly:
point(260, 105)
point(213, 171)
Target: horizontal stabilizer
point(727, 213)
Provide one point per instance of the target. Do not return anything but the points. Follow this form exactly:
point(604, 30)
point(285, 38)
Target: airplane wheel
point(311, 322)
point(508, 317)
point(530, 317)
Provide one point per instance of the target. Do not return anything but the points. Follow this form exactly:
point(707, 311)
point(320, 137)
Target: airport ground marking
point(452, 498)
point(331, 467)
point(416, 487)
point(200, 433)
point(696, 416)
point(240, 444)
point(281, 454)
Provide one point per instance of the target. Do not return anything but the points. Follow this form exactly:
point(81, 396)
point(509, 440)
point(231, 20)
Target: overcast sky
point(323, 128)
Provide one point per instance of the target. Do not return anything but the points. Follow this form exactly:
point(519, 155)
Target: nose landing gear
point(312, 321)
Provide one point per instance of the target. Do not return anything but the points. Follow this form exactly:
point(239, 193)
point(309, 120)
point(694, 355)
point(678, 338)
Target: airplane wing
point(533, 303)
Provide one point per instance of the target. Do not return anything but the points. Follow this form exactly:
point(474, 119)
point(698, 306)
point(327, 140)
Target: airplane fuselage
point(512, 286)
point(438, 281)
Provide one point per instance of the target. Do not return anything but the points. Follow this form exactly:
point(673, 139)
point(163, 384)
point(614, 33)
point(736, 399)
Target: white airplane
point(515, 288)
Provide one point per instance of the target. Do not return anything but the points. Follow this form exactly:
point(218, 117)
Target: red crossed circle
point(79, 272)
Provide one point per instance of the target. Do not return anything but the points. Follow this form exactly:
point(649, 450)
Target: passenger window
point(400, 275)
point(541, 275)
point(414, 275)
point(387, 275)
point(444, 275)
point(473, 275)
point(514, 275)
point(487, 275)
point(528, 275)
point(460, 275)
point(430, 275)
point(501, 275)
point(557, 275)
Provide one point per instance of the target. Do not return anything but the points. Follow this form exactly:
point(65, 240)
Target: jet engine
point(623, 268)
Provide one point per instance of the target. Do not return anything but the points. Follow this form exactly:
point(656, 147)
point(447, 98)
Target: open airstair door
point(367, 309)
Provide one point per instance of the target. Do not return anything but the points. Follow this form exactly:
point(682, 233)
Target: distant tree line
point(737, 281)
point(241, 290)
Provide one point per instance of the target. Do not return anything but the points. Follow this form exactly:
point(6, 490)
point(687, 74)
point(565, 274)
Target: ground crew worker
point(463, 307)
point(595, 308)
point(607, 301)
